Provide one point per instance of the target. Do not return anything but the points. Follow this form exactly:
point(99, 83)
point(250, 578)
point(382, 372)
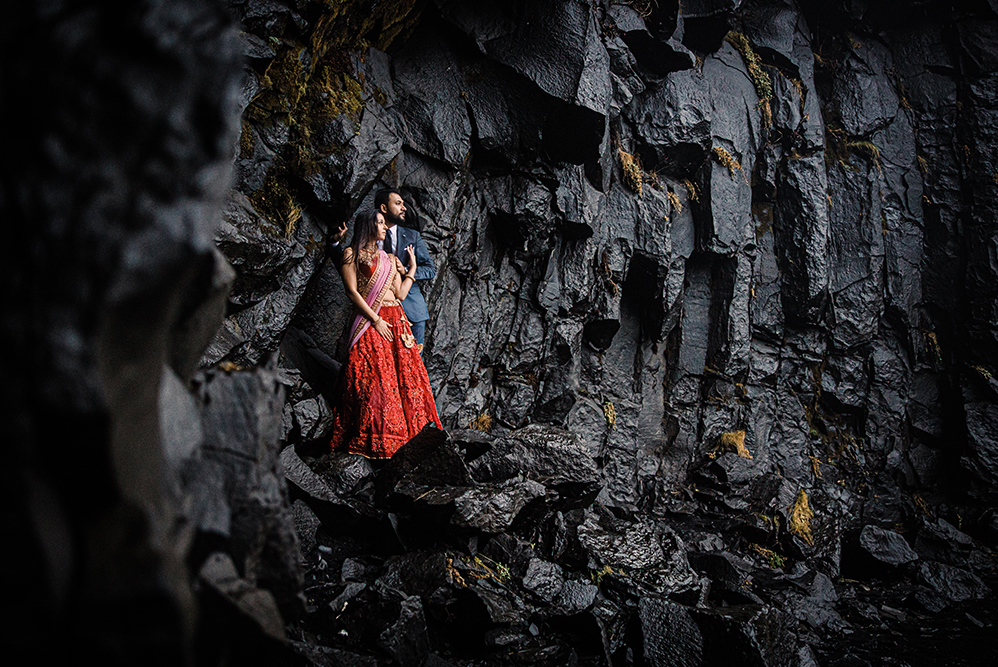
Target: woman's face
point(382, 227)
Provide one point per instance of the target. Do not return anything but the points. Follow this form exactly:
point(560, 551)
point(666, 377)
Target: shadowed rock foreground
point(713, 332)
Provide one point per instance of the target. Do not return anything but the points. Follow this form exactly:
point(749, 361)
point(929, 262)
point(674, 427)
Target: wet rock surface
point(712, 332)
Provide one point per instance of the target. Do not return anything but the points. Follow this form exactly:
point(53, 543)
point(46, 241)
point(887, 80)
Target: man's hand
point(339, 233)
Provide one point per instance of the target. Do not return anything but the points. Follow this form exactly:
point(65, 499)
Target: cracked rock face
point(715, 256)
point(714, 324)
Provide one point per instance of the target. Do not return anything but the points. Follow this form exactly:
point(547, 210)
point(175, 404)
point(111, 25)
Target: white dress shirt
point(393, 232)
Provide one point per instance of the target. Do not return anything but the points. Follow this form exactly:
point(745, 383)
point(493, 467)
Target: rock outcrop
point(713, 331)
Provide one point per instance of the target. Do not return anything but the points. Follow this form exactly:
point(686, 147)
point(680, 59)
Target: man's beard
point(393, 219)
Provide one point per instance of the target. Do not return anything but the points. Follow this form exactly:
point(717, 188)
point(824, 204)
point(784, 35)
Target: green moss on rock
point(312, 82)
point(276, 202)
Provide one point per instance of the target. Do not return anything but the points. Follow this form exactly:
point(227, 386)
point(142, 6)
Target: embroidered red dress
point(386, 396)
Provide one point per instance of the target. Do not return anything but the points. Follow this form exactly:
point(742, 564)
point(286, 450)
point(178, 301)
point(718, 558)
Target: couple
point(386, 396)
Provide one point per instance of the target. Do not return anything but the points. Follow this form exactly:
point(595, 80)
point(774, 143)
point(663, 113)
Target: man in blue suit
point(398, 238)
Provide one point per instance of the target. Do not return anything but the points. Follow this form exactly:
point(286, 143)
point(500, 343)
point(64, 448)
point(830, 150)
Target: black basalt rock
point(547, 455)
point(886, 546)
point(712, 330)
point(659, 52)
point(670, 636)
point(749, 634)
point(802, 238)
point(672, 120)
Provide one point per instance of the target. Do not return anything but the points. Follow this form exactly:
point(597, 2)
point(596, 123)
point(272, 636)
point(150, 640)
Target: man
point(398, 238)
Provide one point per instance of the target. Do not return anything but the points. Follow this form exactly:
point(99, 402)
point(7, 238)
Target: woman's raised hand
point(383, 328)
point(410, 250)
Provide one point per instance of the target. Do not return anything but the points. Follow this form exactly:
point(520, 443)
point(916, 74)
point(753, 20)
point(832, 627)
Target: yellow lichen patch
point(643, 7)
point(800, 518)
point(351, 23)
point(302, 160)
point(308, 84)
point(454, 574)
point(725, 160)
point(933, 344)
point(676, 202)
point(923, 164)
point(816, 466)
point(734, 442)
point(984, 372)
point(498, 572)
point(775, 560)
point(610, 414)
point(246, 141)
point(229, 366)
point(767, 112)
point(285, 79)
point(760, 79)
point(922, 505)
point(482, 422)
point(691, 189)
point(597, 575)
point(799, 87)
point(631, 165)
point(332, 93)
point(277, 203)
point(868, 147)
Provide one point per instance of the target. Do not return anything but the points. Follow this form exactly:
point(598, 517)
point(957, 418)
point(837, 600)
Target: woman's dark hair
point(365, 231)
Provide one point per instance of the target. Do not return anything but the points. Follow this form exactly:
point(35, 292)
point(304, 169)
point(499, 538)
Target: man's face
point(395, 212)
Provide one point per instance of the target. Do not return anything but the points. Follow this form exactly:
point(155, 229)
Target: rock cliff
point(713, 331)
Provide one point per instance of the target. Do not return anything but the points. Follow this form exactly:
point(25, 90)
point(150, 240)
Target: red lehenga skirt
point(386, 396)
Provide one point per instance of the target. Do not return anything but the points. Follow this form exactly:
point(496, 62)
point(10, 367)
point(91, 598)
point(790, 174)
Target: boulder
point(953, 583)
point(643, 554)
point(670, 635)
point(886, 546)
point(241, 417)
point(493, 507)
point(748, 635)
point(406, 640)
point(551, 456)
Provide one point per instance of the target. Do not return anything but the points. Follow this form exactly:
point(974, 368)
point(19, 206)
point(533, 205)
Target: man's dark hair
point(381, 197)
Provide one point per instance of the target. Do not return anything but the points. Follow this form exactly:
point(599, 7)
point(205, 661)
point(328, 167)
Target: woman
point(386, 391)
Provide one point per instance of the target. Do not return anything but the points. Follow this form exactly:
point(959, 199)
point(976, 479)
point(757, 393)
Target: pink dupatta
point(378, 286)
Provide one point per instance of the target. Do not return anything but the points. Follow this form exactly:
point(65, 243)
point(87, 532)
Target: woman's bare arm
point(348, 270)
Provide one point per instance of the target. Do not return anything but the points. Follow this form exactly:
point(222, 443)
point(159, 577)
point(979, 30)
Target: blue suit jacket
point(414, 304)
